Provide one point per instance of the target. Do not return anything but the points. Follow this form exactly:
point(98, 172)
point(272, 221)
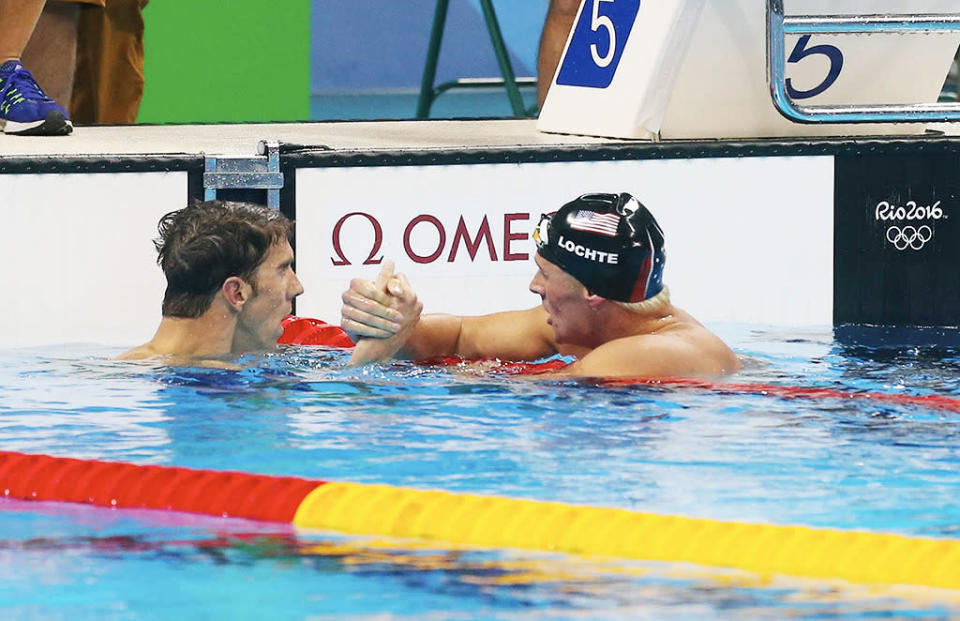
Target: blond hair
point(656, 304)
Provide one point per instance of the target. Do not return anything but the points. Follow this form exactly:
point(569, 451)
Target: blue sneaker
point(25, 109)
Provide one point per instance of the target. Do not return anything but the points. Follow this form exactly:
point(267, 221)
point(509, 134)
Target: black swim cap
point(609, 242)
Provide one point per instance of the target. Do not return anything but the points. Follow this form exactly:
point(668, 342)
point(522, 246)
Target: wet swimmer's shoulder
point(146, 353)
point(139, 353)
point(709, 356)
point(681, 349)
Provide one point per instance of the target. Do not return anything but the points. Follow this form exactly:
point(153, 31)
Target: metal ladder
point(429, 92)
point(241, 173)
point(779, 26)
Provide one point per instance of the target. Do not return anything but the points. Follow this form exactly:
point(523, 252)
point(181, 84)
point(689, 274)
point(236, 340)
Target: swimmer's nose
point(298, 286)
point(536, 286)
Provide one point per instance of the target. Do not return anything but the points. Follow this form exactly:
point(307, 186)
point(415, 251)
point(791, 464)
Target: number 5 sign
point(618, 67)
point(598, 40)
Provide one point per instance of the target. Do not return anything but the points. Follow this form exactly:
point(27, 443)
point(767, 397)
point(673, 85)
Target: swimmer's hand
point(368, 309)
point(380, 303)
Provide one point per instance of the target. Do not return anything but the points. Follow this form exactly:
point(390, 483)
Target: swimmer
point(600, 262)
point(230, 281)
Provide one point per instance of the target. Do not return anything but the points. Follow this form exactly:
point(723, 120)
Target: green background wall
point(226, 60)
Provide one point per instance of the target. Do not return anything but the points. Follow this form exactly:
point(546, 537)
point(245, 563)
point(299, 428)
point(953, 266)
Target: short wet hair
point(657, 304)
point(202, 245)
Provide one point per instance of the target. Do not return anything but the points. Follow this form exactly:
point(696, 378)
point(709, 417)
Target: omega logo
point(462, 238)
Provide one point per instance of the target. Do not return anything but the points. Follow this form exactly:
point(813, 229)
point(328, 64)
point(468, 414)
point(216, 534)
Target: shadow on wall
point(367, 56)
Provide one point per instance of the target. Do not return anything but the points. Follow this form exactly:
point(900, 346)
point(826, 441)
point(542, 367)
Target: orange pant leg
point(108, 85)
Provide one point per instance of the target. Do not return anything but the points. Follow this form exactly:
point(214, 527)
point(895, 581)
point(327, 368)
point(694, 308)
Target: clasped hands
point(379, 315)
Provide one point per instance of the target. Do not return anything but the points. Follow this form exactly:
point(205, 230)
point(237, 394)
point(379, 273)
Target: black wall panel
point(897, 239)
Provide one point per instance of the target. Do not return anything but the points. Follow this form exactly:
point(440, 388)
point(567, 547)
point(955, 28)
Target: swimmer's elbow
point(734, 366)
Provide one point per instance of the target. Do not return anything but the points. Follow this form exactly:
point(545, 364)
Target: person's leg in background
point(88, 54)
point(557, 26)
point(51, 53)
point(18, 18)
point(109, 83)
point(24, 107)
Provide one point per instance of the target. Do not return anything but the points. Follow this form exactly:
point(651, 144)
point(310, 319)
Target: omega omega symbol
point(909, 237)
point(463, 237)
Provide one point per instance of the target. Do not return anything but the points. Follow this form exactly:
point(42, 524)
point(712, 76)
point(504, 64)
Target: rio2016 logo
point(910, 226)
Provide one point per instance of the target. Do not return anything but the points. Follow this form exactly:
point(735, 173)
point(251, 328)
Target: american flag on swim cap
point(593, 222)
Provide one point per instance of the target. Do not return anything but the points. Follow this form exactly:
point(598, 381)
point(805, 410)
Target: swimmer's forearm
point(373, 350)
point(513, 335)
point(431, 337)
point(376, 349)
point(434, 335)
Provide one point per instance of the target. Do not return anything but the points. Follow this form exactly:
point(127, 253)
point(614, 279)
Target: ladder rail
point(779, 26)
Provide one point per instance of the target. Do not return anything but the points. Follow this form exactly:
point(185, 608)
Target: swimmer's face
point(272, 291)
point(565, 301)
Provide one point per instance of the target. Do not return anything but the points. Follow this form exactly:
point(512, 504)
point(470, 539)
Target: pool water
point(827, 462)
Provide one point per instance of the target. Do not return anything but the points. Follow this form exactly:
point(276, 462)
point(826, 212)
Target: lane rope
point(489, 521)
point(781, 391)
point(306, 331)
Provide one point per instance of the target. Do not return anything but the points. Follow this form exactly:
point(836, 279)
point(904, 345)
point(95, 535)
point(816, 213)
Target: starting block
point(695, 69)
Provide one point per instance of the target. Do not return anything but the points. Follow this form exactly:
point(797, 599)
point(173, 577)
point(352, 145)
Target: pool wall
point(781, 232)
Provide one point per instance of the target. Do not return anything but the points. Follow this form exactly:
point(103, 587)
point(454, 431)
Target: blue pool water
point(836, 463)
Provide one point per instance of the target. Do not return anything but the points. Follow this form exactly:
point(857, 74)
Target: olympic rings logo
point(909, 237)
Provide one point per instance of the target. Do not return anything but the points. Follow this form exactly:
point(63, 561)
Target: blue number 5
point(800, 52)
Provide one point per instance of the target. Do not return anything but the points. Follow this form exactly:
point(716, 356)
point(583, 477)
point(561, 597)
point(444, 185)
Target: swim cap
point(608, 242)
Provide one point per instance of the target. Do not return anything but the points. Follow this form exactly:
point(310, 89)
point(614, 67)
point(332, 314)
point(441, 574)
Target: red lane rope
point(106, 484)
point(933, 402)
point(304, 331)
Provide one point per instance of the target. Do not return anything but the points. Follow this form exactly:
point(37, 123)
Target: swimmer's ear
point(236, 292)
point(594, 301)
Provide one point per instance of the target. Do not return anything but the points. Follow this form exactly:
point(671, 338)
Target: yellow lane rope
point(862, 557)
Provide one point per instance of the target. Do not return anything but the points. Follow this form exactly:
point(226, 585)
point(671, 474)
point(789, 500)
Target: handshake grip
point(380, 315)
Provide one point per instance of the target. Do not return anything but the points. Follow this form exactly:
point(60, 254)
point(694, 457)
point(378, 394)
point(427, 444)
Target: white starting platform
point(680, 69)
point(794, 228)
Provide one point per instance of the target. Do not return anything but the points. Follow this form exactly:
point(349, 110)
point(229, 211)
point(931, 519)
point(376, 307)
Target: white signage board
point(78, 260)
point(747, 239)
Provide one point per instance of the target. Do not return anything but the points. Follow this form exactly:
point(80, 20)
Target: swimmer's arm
point(515, 335)
point(388, 324)
point(648, 356)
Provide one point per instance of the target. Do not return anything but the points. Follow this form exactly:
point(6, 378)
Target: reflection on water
point(309, 571)
point(823, 460)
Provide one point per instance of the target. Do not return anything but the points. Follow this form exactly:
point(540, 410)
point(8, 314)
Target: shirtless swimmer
point(600, 262)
